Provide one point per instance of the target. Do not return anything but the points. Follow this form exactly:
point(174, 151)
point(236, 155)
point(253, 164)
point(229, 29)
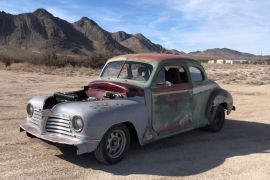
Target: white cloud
point(62, 13)
point(163, 17)
point(107, 15)
point(243, 25)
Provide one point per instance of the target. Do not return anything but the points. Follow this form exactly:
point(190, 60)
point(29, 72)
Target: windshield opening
point(128, 70)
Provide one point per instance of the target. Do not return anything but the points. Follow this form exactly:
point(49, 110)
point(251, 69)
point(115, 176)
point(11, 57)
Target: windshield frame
point(126, 62)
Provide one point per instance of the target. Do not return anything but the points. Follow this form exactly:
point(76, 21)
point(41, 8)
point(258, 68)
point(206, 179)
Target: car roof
point(152, 57)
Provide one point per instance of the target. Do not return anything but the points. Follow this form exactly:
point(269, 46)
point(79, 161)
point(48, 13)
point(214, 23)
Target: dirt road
point(240, 151)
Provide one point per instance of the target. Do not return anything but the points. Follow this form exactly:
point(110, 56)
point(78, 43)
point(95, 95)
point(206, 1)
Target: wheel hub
point(116, 143)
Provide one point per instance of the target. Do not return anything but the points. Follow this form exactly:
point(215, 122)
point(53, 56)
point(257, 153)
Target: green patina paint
point(200, 101)
point(171, 111)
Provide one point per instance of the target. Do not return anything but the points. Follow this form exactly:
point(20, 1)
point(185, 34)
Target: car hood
point(83, 108)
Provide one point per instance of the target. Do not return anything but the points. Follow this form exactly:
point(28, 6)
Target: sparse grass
point(2, 65)
point(254, 82)
point(223, 73)
point(239, 73)
point(42, 69)
point(53, 59)
point(52, 63)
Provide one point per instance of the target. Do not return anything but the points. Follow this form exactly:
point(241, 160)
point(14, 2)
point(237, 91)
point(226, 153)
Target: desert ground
point(240, 151)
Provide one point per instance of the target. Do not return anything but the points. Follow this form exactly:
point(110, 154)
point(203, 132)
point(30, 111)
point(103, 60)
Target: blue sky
point(186, 25)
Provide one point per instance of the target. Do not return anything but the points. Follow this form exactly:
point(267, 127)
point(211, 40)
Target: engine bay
point(96, 90)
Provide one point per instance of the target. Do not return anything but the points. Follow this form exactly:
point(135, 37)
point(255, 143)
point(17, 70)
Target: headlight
point(77, 123)
point(30, 110)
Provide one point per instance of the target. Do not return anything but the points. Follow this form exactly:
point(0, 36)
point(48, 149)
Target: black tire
point(114, 145)
point(218, 120)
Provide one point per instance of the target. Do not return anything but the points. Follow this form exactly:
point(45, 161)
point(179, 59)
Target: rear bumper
point(82, 146)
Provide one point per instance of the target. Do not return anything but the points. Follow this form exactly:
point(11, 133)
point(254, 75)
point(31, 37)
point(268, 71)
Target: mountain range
point(41, 32)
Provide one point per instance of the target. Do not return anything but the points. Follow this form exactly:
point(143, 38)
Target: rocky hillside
point(224, 53)
point(137, 42)
point(102, 41)
point(41, 32)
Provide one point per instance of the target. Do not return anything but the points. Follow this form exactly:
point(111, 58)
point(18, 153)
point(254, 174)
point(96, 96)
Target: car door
point(201, 92)
point(171, 100)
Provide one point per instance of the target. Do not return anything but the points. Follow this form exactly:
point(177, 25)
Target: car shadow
point(187, 154)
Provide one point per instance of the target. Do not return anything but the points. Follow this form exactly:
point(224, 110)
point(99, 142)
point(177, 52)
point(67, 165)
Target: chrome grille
point(37, 117)
point(59, 125)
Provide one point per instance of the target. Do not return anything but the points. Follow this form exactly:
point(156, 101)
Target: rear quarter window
point(196, 74)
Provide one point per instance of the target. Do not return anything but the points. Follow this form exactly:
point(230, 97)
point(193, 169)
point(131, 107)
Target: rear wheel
point(218, 120)
point(114, 145)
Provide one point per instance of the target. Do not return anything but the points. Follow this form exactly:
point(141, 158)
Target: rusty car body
point(148, 96)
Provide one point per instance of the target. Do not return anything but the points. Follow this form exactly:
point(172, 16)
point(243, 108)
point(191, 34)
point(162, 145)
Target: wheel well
point(132, 131)
point(224, 105)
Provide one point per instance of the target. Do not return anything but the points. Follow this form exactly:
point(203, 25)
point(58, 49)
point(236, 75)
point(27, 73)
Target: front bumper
point(82, 146)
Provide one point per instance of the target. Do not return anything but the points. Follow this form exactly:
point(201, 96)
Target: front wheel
point(218, 120)
point(114, 145)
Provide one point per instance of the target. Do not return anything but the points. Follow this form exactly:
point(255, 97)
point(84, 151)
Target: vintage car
point(143, 97)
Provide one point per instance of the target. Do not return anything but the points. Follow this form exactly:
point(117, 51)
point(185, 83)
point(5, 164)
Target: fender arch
point(219, 97)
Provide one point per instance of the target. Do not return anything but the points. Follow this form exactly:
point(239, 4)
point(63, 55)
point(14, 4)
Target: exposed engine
point(96, 90)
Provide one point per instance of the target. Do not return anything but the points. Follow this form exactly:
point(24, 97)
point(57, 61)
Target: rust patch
point(177, 126)
point(154, 57)
point(171, 110)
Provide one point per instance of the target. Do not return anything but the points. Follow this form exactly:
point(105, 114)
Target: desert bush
point(2, 65)
point(239, 73)
point(53, 59)
point(255, 82)
point(7, 60)
point(43, 69)
point(265, 78)
point(260, 62)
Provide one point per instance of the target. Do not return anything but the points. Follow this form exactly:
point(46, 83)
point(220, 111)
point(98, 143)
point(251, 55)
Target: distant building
point(212, 61)
point(227, 61)
point(236, 61)
point(220, 61)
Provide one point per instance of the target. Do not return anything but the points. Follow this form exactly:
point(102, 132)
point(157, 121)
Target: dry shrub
point(254, 82)
point(261, 62)
point(265, 78)
point(42, 69)
point(53, 59)
point(2, 65)
point(74, 65)
point(52, 63)
point(89, 71)
point(32, 68)
point(239, 73)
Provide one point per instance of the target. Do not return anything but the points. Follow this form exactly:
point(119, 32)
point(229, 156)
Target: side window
point(172, 74)
point(160, 78)
point(195, 74)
